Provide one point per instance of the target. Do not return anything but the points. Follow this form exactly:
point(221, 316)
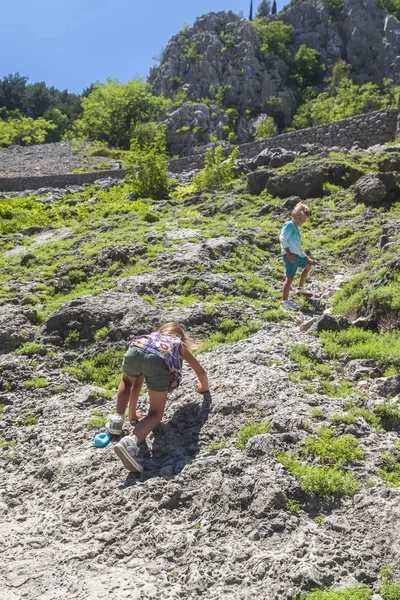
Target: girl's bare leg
point(153, 417)
point(133, 399)
point(123, 393)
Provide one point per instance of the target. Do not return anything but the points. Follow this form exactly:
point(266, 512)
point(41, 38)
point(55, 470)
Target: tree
point(113, 109)
point(12, 92)
point(264, 8)
point(273, 11)
point(251, 11)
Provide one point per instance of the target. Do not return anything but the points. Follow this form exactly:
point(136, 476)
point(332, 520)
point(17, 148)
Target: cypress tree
point(273, 11)
point(251, 11)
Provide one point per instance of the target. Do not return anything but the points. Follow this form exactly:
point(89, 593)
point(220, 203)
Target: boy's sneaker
point(127, 450)
point(288, 305)
point(303, 292)
point(115, 424)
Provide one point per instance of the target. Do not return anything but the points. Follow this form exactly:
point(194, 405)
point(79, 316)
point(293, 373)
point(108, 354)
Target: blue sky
point(70, 44)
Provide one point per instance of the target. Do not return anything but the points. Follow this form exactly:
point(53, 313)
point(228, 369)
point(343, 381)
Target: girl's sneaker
point(115, 424)
point(127, 451)
point(288, 305)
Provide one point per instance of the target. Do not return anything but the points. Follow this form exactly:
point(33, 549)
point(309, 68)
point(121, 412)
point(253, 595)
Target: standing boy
point(293, 255)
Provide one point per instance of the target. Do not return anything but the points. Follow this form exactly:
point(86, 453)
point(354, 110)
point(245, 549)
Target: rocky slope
point(217, 513)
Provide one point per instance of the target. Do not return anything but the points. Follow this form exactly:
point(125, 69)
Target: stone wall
point(19, 184)
point(367, 129)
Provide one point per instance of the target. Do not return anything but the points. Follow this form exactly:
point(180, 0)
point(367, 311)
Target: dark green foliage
point(392, 6)
point(335, 7)
point(264, 8)
point(34, 100)
point(343, 98)
point(251, 11)
point(273, 11)
point(309, 70)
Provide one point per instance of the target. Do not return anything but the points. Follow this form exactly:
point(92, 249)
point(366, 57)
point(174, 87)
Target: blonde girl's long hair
point(174, 328)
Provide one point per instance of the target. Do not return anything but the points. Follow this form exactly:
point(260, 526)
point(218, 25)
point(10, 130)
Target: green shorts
point(137, 362)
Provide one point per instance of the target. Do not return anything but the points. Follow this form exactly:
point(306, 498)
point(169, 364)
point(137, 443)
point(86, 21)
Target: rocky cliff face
point(220, 50)
point(220, 58)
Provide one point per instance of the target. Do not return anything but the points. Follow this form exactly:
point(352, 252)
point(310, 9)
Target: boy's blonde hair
point(174, 328)
point(301, 208)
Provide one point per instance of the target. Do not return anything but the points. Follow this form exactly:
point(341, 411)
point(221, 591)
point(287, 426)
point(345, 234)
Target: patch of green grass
point(215, 446)
point(390, 589)
point(389, 469)
point(149, 299)
point(361, 592)
point(101, 334)
point(250, 430)
point(389, 413)
point(30, 420)
point(240, 333)
point(322, 481)
point(317, 413)
point(383, 347)
point(292, 506)
point(319, 519)
point(97, 423)
point(36, 383)
point(333, 449)
point(345, 418)
point(7, 443)
point(103, 370)
point(28, 349)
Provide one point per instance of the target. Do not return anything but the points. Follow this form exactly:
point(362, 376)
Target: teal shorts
point(291, 268)
point(137, 362)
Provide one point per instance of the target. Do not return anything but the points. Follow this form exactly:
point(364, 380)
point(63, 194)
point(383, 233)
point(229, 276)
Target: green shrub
point(274, 36)
point(250, 430)
point(292, 506)
point(218, 171)
point(266, 129)
point(24, 131)
point(389, 590)
point(148, 167)
point(389, 470)
point(28, 349)
point(332, 449)
point(322, 481)
point(101, 334)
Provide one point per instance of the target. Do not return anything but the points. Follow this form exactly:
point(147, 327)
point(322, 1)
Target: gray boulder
point(305, 182)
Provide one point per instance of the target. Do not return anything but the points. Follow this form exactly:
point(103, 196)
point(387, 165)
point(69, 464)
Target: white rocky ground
point(196, 523)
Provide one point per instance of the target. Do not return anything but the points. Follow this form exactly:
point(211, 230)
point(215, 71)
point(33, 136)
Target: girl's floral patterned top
point(169, 348)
